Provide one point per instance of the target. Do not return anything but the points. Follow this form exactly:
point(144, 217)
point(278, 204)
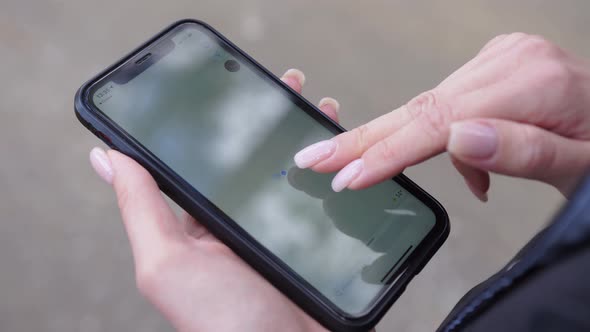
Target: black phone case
point(269, 266)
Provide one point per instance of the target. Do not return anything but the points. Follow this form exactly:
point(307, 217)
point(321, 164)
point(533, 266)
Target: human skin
point(192, 278)
point(520, 108)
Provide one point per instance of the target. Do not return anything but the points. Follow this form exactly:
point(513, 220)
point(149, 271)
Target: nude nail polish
point(472, 140)
point(314, 153)
point(329, 101)
point(297, 74)
point(347, 175)
point(482, 196)
point(102, 164)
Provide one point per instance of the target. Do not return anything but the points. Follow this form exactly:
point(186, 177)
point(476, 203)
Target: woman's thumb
point(521, 150)
point(150, 222)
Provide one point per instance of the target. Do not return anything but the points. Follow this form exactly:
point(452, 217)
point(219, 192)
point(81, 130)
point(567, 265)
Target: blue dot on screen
point(283, 173)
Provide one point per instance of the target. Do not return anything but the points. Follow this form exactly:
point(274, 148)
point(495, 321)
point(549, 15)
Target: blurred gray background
point(65, 264)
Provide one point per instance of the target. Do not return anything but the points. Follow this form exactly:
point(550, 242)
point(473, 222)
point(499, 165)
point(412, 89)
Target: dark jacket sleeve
point(546, 287)
point(554, 299)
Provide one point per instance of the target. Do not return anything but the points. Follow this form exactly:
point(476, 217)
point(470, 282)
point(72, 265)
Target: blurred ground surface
point(65, 262)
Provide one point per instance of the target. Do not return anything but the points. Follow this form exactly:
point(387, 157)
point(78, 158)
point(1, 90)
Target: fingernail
point(472, 140)
point(346, 175)
point(314, 153)
point(330, 101)
point(102, 164)
point(482, 196)
point(298, 74)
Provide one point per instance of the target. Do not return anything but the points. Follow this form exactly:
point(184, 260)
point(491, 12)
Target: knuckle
point(431, 112)
point(558, 81)
point(554, 73)
point(540, 152)
point(536, 41)
point(517, 35)
point(385, 151)
point(493, 41)
point(498, 37)
point(361, 138)
point(515, 38)
point(421, 104)
point(546, 61)
point(534, 45)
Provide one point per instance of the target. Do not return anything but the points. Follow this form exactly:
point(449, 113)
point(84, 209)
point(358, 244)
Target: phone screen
point(231, 132)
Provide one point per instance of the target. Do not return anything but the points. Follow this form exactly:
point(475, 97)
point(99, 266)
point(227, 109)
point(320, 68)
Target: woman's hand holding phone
point(196, 281)
point(521, 107)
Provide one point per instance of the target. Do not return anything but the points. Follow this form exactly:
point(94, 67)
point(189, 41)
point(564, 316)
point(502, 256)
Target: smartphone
point(218, 132)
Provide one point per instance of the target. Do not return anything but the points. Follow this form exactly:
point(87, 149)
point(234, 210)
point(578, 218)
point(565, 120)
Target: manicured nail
point(330, 101)
point(346, 175)
point(297, 74)
point(314, 153)
point(472, 140)
point(102, 164)
point(482, 196)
